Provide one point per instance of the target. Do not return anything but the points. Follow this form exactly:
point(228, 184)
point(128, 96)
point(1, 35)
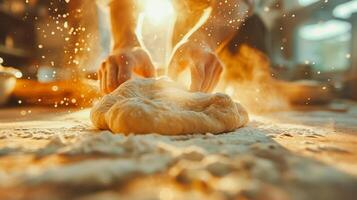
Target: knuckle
point(102, 66)
point(106, 67)
point(118, 58)
point(122, 56)
point(112, 59)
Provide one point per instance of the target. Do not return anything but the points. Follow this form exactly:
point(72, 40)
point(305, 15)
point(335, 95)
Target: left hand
point(203, 62)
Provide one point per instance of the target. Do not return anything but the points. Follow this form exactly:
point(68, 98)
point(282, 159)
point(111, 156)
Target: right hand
point(120, 66)
point(205, 66)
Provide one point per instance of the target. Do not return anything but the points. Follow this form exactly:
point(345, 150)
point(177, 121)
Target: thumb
point(176, 67)
point(148, 70)
point(197, 77)
point(142, 64)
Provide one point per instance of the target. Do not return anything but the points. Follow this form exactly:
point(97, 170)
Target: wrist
point(202, 41)
point(194, 45)
point(130, 42)
point(128, 48)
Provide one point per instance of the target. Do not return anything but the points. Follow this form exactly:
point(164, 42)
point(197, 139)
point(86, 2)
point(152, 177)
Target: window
point(326, 45)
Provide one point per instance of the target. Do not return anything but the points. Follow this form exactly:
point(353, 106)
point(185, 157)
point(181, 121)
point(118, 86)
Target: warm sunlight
point(158, 11)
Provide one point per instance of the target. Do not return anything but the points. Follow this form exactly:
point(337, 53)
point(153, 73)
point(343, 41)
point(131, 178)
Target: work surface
point(57, 154)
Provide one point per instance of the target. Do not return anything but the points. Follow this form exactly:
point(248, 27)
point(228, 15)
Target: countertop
point(306, 153)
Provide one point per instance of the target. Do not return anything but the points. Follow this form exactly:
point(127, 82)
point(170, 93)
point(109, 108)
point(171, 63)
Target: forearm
point(225, 19)
point(123, 15)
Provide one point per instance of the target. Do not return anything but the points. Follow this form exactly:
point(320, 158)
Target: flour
point(248, 162)
point(98, 173)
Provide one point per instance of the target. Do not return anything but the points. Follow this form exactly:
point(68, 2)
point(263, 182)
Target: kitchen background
point(48, 40)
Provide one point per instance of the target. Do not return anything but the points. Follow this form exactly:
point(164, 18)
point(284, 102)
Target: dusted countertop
point(52, 153)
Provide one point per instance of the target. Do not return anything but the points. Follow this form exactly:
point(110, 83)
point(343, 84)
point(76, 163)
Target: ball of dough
point(143, 106)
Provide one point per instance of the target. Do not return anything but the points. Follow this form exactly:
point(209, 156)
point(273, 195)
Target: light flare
point(158, 11)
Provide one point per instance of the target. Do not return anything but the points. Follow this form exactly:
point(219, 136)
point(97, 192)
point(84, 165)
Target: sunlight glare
point(158, 11)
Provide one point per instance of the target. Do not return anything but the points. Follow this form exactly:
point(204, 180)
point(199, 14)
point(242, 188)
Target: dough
point(143, 106)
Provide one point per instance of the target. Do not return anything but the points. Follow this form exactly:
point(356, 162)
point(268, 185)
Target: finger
point(102, 80)
point(197, 77)
point(124, 72)
point(218, 69)
point(177, 66)
point(104, 85)
point(209, 69)
point(208, 78)
point(112, 74)
point(100, 76)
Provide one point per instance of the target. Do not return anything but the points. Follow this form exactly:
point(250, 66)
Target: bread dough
point(143, 106)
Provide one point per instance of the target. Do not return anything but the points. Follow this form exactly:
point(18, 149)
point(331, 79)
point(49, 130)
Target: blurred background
point(59, 40)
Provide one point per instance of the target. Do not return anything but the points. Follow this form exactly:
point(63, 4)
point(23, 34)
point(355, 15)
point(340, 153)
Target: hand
point(118, 68)
point(204, 64)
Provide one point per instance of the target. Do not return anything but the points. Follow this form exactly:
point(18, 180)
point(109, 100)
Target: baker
point(199, 51)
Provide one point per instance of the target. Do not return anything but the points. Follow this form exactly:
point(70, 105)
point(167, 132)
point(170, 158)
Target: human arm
point(127, 57)
point(199, 50)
